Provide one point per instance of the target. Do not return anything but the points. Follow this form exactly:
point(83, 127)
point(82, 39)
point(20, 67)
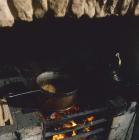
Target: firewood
point(5, 110)
point(6, 114)
point(2, 123)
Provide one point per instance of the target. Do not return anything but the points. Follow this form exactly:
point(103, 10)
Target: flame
point(74, 123)
point(59, 137)
point(74, 133)
point(70, 124)
point(90, 119)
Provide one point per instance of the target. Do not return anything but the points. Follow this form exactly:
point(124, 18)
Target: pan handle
point(12, 95)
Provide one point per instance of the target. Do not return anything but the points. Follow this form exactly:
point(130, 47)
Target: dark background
point(55, 38)
point(83, 47)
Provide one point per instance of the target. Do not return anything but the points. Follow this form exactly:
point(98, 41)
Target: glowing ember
point(73, 123)
point(70, 124)
point(90, 119)
point(74, 133)
point(73, 109)
point(87, 129)
point(55, 115)
point(59, 137)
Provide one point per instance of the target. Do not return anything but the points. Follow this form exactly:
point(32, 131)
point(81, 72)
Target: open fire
point(73, 124)
point(59, 137)
point(70, 125)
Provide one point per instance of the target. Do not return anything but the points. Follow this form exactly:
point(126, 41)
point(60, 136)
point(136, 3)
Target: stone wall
point(27, 10)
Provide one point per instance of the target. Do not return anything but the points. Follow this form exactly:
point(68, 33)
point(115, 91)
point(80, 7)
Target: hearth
point(87, 119)
point(92, 117)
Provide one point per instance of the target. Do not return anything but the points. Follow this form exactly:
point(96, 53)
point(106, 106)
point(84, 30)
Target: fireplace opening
point(101, 56)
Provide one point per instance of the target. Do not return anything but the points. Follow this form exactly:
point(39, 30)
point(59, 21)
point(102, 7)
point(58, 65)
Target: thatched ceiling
point(27, 10)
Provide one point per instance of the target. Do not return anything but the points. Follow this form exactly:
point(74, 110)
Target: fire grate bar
point(77, 128)
point(69, 117)
point(85, 135)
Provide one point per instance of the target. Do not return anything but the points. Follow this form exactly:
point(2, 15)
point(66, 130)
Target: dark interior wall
point(70, 40)
point(55, 38)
